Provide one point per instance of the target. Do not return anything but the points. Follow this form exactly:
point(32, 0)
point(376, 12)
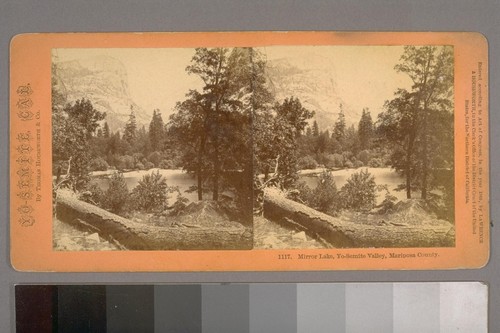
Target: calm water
point(383, 176)
point(174, 178)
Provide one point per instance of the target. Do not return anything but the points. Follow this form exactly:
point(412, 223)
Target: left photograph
point(152, 148)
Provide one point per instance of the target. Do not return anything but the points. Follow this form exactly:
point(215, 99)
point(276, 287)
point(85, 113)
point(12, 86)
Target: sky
point(364, 75)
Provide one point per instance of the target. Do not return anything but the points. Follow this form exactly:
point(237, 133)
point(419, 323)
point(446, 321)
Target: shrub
point(325, 196)
point(117, 194)
point(301, 193)
point(138, 157)
point(98, 164)
point(359, 192)
point(389, 200)
point(348, 164)
point(128, 161)
point(148, 165)
point(347, 155)
point(59, 168)
point(93, 195)
point(119, 162)
point(166, 164)
point(125, 162)
point(307, 162)
point(155, 158)
point(180, 203)
point(139, 166)
point(336, 160)
point(375, 163)
point(358, 164)
point(150, 194)
point(364, 156)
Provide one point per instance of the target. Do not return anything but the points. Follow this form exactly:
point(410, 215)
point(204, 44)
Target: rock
point(300, 236)
point(272, 242)
point(93, 238)
point(67, 243)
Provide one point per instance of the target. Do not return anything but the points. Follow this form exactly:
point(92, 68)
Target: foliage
point(307, 162)
point(365, 130)
point(375, 163)
point(116, 196)
point(359, 192)
point(340, 126)
point(389, 200)
point(294, 114)
point(315, 129)
point(84, 114)
point(364, 156)
point(166, 164)
point(130, 133)
point(348, 164)
point(325, 197)
point(125, 162)
point(180, 203)
point(358, 164)
point(72, 129)
point(98, 164)
point(351, 141)
point(337, 160)
point(93, 195)
point(105, 130)
point(301, 193)
point(155, 158)
point(148, 165)
point(150, 194)
point(418, 123)
point(291, 119)
point(213, 126)
point(156, 131)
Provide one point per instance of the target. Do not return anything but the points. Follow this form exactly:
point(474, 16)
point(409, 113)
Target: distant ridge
point(104, 81)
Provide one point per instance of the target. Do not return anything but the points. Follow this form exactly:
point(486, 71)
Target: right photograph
point(354, 148)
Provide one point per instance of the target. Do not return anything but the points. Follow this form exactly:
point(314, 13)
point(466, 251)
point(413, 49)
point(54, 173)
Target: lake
point(175, 177)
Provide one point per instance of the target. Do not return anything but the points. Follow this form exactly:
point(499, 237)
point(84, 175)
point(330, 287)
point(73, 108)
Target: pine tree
point(130, 133)
point(340, 126)
point(105, 130)
point(156, 131)
point(214, 125)
point(315, 129)
point(418, 122)
point(290, 121)
point(365, 130)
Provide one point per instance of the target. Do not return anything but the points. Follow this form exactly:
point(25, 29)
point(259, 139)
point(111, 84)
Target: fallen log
point(343, 234)
point(130, 235)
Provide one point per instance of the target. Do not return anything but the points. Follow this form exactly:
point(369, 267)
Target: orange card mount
point(249, 151)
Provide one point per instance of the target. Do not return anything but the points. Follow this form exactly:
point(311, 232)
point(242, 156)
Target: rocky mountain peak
point(102, 80)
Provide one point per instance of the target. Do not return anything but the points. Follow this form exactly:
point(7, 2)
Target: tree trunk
point(130, 235)
point(215, 193)
point(200, 183)
point(425, 160)
point(342, 234)
point(408, 173)
point(199, 170)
